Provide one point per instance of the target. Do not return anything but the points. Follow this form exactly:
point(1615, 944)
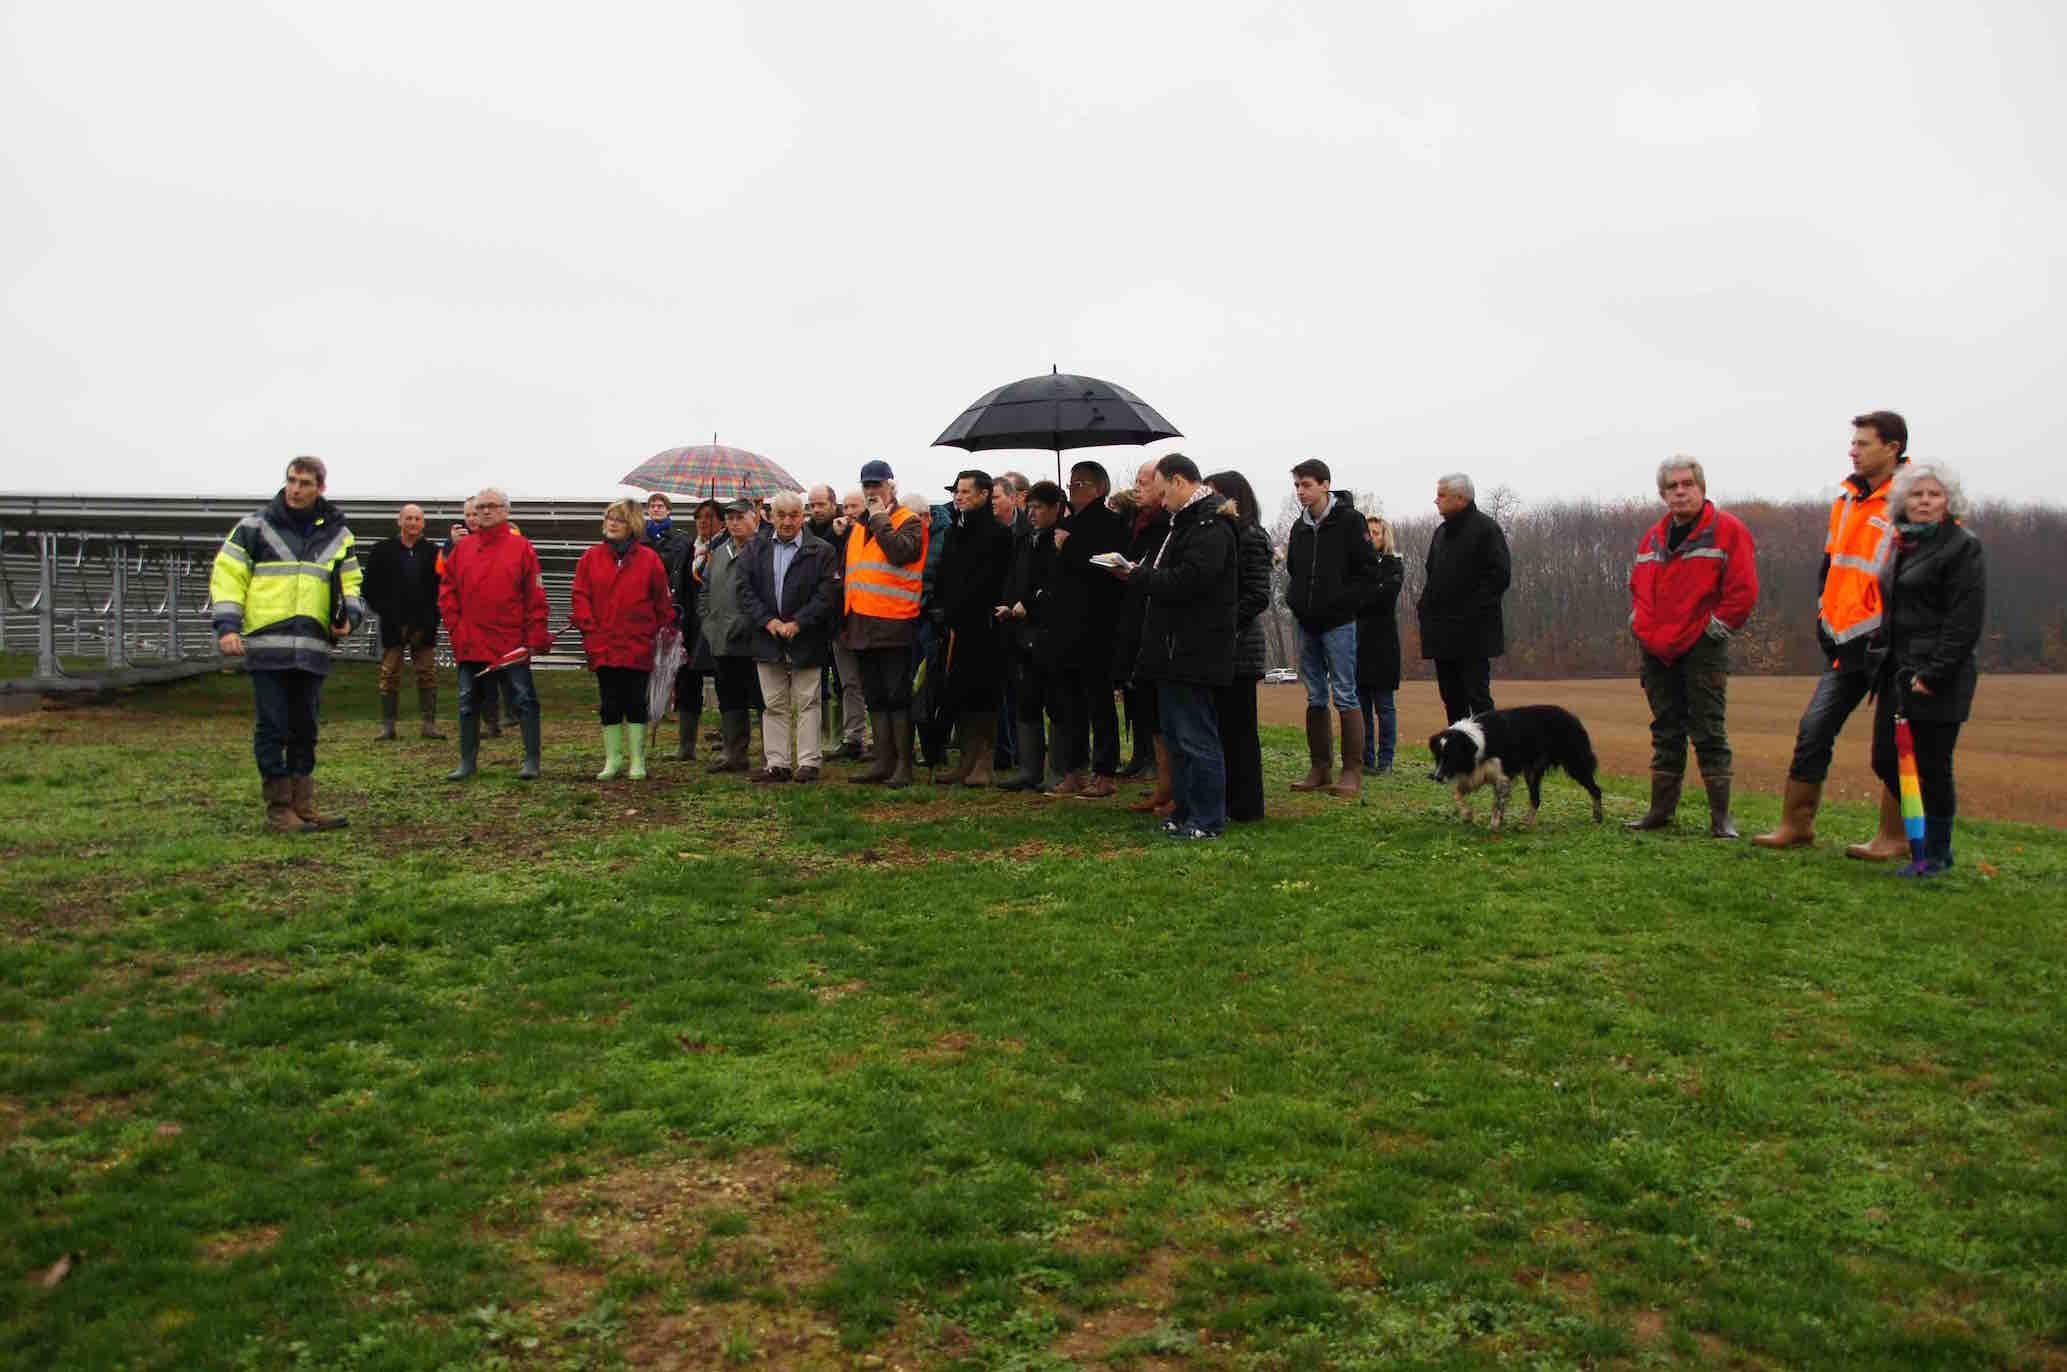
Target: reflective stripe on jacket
point(876, 586)
point(1855, 554)
point(1673, 592)
point(273, 584)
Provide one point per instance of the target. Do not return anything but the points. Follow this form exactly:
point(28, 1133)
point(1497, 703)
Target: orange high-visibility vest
point(876, 586)
point(1861, 540)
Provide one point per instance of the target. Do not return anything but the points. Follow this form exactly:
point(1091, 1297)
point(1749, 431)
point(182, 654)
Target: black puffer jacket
point(1188, 630)
point(1468, 572)
point(1937, 598)
point(1252, 596)
point(1333, 567)
point(1378, 629)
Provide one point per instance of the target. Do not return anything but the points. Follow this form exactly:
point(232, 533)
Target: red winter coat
point(1674, 591)
point(492, 598)
point(619, 606)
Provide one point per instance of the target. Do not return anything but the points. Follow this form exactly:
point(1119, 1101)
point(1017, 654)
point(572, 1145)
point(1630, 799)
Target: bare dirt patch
point(2012, 759)
point(228, 1246)
point(1143, 1303)
point(694, 1262)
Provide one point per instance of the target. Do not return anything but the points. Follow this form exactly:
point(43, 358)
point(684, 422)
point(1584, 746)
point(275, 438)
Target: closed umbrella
point(1056, 411)
point(1910, 788)
point(711, 471)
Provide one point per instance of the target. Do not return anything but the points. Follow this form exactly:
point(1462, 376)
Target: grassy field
point(697, 1074)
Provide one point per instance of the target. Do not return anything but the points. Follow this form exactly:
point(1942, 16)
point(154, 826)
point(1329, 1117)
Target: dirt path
point(2012, 760)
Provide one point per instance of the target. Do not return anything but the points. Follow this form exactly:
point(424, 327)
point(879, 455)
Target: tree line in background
point(1567, 611)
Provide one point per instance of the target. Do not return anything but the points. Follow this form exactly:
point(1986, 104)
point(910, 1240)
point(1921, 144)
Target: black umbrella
point(1056, 411)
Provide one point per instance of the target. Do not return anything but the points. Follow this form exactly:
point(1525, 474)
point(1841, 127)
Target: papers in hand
point(1115, 560)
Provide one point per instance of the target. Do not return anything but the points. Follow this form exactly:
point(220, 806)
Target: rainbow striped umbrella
point(1911, 789)
point(711, 470)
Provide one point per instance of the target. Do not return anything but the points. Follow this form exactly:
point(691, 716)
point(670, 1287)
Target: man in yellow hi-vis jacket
point(284, 588)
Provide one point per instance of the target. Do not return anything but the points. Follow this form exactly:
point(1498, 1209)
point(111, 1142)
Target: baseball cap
point(740, 506)
point(876, 470)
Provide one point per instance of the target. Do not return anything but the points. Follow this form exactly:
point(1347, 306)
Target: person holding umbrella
point(620, 602)
point(730, 636)
point(1924, 667)
point(971, 581)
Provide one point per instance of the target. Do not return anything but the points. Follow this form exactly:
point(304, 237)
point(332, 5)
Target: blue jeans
point(1837, 695)
point(284, 739)
point(1198, 771)
point(518, 694)
point(1327, 664)
point(1381, 727)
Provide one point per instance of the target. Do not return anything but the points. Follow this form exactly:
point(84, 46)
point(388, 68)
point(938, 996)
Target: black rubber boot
point(886, 752)
point(735, 729)
point(1665, 802)
point(900, 736)
point(1720, 824)
point(469, 748)
point(529, 724)
point(390, 708)
point(427, 706)
point(1032, 761)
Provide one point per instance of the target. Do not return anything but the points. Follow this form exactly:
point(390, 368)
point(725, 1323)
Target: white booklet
point(1111, 560)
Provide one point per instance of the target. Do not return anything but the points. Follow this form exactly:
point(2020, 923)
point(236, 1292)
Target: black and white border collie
point(1501, 745)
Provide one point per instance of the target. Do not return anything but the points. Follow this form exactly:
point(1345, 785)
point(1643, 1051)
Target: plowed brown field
point(2012, 760)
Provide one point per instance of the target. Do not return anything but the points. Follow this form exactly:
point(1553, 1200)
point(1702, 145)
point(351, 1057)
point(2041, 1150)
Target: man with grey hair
point(1468, 571)
point(1694, 584)
point(402, 590)
point(786, 599)
point(492, 600)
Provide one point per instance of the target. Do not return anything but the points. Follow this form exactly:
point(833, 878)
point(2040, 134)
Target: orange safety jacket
point(1855, 557)
point(876, 586)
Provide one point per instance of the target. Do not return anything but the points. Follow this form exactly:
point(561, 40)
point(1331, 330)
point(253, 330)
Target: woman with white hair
point(1935, 591)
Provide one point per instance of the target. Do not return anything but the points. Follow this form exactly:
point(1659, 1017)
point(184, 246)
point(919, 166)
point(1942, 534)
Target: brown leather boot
point(1797, 816)
point(301, 792)
point(1317, 748)
point(280, 816)
point(1892, 841)
point(1352, 783)
point(1665, 787)
point(1160, 795)
point(1098, 788)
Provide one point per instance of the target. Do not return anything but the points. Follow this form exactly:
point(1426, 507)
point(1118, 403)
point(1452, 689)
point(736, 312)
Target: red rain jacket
point(492, 598)
point(1674, 591)
point(620, 606)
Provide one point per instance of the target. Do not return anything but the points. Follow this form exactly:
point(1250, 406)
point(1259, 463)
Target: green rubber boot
point(635, 743)
point(613, 753)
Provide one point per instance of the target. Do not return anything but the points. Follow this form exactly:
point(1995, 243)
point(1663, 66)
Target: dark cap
point(876, 470)
point(740, 506)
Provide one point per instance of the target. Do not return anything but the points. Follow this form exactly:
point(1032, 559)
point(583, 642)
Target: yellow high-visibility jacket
point(283, 588)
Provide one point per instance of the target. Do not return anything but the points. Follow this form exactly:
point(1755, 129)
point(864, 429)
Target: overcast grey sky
point(1548, 244)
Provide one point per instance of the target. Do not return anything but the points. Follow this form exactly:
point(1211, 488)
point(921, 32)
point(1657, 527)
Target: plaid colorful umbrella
point(1911, 789)
point(711, 470)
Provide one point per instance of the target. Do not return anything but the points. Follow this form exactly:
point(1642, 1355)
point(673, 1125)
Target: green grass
point(580, 1076)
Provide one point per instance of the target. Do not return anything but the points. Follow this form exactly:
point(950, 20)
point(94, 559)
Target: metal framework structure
point(110, 591)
